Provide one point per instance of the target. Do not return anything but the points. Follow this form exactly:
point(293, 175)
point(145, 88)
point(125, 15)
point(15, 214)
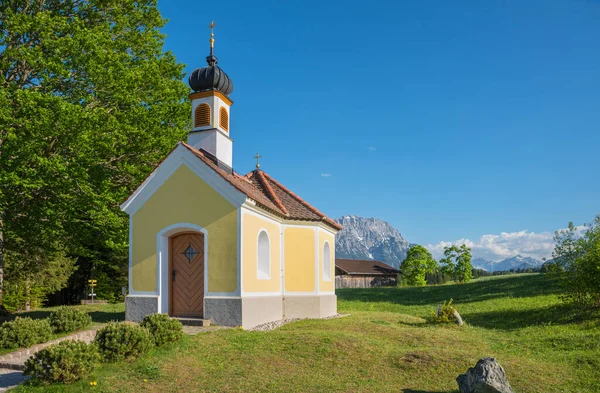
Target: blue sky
point(450, 120)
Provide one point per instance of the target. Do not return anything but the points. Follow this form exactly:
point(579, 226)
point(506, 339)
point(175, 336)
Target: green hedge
point(66, 362)
point(24, 332)
point(69, 319)
point(123, 341)
point(164, 329)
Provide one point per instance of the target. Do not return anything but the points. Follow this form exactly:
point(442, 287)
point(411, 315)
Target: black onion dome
point(211, 77)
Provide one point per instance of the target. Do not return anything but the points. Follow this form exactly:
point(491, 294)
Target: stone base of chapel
point(137, 307)
point(318, 306)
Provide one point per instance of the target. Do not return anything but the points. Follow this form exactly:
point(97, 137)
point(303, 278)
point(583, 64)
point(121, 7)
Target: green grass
point(386, 345)
point(100, 313)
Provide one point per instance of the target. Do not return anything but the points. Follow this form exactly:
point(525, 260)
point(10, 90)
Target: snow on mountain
point(516, 262)
point(370, 238)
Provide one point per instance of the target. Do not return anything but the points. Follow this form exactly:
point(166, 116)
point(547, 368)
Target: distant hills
point(516, 262)
point(371, 238)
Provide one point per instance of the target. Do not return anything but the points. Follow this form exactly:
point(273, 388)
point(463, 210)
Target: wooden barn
point(354, 273)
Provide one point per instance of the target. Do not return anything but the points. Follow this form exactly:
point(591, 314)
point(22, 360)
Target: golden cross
point(212, 36)
point(257, 158)
point(212, 27)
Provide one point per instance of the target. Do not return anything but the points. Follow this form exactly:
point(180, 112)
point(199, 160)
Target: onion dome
point(211, 77)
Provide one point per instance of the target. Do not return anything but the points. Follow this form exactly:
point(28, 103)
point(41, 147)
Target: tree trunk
point(27, 296)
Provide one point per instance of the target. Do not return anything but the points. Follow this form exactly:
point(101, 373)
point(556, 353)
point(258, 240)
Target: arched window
point(326, 262)
point(224, 119)
point(202, 115)
point(263, 259)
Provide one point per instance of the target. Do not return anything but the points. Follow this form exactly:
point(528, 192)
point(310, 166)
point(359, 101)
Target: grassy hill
point(386, 345)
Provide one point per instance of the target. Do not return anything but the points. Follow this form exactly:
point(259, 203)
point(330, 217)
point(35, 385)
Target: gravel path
point(277, 324)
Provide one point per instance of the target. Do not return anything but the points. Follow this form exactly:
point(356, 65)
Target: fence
point(364, 281)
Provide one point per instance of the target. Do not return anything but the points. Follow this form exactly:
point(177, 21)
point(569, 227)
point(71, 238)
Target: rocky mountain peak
point(370, 238)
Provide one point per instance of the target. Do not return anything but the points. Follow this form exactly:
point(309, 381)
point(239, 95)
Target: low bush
point(66, 362)
point(445, 313)
point(123, 341)
point(69, 319)
point(24, 332)
point(164, 329)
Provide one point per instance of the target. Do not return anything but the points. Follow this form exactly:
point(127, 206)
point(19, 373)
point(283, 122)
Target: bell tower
point(211, 107)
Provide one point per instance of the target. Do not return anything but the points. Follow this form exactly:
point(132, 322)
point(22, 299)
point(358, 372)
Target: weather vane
point(258, 157)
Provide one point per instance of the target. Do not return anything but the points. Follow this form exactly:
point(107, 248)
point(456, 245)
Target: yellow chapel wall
point(324, 285)
point(185, 197)
point(252, 225)
point(299, 259)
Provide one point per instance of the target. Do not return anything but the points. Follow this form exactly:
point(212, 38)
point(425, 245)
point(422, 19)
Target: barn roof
point(367, 267)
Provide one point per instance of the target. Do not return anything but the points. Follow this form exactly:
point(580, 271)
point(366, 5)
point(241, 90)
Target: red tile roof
point(368, 267)
point(268, 193)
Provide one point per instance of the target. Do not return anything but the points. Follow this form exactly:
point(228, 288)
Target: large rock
point(487, 376)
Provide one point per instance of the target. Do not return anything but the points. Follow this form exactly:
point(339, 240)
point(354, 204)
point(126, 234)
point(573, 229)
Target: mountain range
point(516, 262)
point(371, 238)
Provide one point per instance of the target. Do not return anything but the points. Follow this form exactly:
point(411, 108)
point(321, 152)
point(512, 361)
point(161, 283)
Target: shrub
point(164, 329)
point(69, 319)
point(446, 313)
point(120, 341)
point(66, 362)
point(24, 332)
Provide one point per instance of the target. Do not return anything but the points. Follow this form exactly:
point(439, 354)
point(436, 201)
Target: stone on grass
point(487, 376)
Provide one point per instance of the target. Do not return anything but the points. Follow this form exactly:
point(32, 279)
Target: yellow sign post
point(92, 284)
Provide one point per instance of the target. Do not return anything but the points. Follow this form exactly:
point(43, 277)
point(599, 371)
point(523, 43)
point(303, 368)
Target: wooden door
point(187, 275)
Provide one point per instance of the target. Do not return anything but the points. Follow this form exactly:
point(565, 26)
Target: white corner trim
point(181, 156)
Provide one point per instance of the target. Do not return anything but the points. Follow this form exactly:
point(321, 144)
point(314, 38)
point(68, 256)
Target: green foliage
point(457, 263)
point(163, 328)
point(89, 104)
point(444, 313)
point(417, 264)
point(69, 319)
point(24, 332)
point(577, 262)
point(29, 281)
point(123, 341)
point(66, 362)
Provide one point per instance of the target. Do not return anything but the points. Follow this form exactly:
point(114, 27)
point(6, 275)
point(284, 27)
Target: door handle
point(173, 275)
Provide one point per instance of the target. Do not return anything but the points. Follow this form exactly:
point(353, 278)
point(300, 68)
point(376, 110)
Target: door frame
point(170, 268)
point(163, 253)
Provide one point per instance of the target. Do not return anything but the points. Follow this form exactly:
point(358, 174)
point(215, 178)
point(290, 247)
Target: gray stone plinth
point(224, 312)
point(137, 307)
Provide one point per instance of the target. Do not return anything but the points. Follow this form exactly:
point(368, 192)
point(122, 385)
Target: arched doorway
point(186, 273)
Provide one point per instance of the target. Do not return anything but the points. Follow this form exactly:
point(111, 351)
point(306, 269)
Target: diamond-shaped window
point(190, 253)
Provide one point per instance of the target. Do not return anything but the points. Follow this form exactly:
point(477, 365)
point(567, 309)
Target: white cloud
point(372, 148)
point(505, 245)
point(326, 174)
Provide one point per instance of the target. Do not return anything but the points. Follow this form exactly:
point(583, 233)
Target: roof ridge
point(265, 183)
point(302, 201)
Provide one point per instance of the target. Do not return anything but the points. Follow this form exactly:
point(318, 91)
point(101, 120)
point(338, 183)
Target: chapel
point(209, 243)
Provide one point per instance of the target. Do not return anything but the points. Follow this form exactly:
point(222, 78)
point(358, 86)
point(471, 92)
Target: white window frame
point(260, 275)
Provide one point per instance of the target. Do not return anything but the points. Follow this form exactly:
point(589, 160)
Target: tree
point(417, 264)
point(576, 261)
point(457, 263)
point(89, 104)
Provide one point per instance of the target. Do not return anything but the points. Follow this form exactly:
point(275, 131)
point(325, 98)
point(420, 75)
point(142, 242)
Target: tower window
point(202, 115)
point(224, 119)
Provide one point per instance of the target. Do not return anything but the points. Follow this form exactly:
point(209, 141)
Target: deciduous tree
point(457, 263)
point(89, 104)
point(417, 264)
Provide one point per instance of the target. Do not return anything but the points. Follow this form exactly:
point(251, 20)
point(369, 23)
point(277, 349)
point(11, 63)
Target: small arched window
point(224, 119)
point(263, 256)
point(202, 115)
point(326, 262)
